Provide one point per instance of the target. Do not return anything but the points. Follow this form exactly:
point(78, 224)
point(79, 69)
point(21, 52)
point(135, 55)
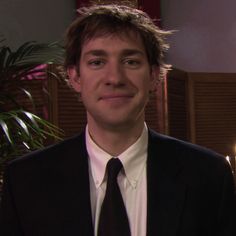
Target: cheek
point(88, 87)
point(143, 81)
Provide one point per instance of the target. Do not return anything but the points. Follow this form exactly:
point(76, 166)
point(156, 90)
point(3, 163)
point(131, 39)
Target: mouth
point(116, 100)
point(116, 97)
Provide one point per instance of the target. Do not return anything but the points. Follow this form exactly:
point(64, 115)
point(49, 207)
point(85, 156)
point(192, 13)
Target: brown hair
point(115, 19)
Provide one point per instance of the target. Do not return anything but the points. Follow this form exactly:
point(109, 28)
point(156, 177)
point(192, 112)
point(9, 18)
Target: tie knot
point(114, 166)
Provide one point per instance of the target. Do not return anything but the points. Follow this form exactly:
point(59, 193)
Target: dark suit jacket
point(190, 191)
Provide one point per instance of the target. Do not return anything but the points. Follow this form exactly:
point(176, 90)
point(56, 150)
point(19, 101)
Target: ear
point(74, 80)
point(155, 73)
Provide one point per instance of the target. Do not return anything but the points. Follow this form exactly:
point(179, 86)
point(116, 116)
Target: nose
point(115, 75)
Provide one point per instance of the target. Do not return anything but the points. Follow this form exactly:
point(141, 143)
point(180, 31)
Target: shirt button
point(135, 183)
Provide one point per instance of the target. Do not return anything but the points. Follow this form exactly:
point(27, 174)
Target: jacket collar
point(78, 180)
point(165, 191)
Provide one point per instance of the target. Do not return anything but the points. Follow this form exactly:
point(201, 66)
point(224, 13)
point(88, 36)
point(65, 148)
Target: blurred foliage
point(22, 130)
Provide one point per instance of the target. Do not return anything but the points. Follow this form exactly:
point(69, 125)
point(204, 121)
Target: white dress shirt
point(131, 179)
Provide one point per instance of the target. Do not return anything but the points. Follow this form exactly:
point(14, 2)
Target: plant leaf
point(22, 124)
point(31, 117)
point(6, 130)
point(4, 52)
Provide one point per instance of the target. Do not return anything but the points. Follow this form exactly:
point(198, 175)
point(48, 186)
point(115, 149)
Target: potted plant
point(21, 130)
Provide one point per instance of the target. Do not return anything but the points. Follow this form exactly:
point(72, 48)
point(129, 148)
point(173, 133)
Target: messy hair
point(100, 20)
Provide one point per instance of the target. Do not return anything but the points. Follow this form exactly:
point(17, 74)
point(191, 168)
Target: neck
point(117, 141)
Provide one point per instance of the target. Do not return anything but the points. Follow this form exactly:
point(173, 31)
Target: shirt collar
point(133, 159)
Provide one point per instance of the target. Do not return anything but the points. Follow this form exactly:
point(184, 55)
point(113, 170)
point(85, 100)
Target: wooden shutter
point(213, 111)
point(155, 112)
point(177, 103)
point(66, 110)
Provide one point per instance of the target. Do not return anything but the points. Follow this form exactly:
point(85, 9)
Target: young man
point(114, 57)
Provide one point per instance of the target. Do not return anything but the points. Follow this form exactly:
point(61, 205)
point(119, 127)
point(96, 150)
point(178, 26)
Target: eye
point(132, 63)
point(96, 63)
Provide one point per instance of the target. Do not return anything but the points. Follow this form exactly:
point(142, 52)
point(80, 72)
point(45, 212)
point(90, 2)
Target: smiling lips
point(116, 97)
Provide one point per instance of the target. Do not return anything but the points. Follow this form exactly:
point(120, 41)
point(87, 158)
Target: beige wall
point(40, 20)
point(205, 41)
point(206, 37)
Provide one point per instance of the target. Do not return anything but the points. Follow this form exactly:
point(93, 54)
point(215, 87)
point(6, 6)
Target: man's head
point(114, 56)
point(103, 20)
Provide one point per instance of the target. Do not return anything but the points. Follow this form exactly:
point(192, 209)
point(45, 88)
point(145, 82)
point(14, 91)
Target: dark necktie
point(113, 219)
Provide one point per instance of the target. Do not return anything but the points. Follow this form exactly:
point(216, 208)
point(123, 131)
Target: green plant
point(21, 130)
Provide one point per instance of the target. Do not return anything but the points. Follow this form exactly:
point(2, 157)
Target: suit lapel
point(165, 190)
point(76, 189)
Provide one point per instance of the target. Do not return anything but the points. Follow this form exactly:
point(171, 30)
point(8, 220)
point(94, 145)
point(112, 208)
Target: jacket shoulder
point(52, 153)
point(184, 150)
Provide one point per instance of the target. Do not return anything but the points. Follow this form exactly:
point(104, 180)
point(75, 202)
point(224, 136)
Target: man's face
point(114, 81)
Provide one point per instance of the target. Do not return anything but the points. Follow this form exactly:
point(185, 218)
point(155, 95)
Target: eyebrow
point(131, 52)
point(124, 52)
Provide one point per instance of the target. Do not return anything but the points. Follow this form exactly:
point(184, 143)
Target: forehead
point(114, 42)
